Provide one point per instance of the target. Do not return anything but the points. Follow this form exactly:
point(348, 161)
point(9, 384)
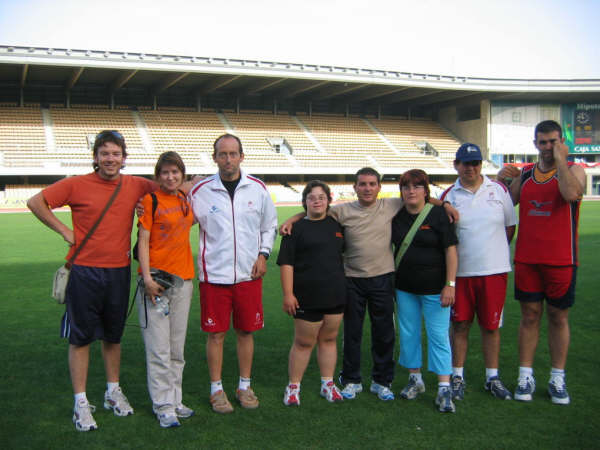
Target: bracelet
point(265, 254)
point(444, 202)
point(451, 283)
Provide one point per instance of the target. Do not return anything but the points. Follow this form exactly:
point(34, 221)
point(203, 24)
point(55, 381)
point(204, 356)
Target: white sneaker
point(383, 392)
point(291, 396)
point(167, 418)
point(183, 411)
point(117, 401)
point(82, 416)
point(351, 389)
point(330, 392)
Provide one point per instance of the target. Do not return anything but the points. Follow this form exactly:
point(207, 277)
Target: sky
point(534, 39)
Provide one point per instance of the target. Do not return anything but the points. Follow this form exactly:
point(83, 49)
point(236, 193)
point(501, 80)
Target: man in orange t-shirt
point(98, 289)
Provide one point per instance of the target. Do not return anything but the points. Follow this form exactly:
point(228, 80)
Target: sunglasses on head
point(113, 133)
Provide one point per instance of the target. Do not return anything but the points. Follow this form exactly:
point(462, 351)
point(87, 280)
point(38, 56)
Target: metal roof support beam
point(370, 94)
point(218, 83)
point(293, 92)
point(74, 78)
point(266, 84)
point(169, 81)
point(122, 79)
point(438, 97)
point(334, 91)
point(24, 74)
point(473, 100)
point(411, 94)
point(198, 102)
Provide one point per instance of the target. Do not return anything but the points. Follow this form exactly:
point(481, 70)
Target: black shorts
point(317, 315)
point(96, 301)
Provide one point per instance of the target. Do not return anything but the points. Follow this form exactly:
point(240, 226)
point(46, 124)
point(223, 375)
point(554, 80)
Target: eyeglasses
point(471, 163)
point(411, 187)
point(544, 141)
point(314, 198)
point(113, 133)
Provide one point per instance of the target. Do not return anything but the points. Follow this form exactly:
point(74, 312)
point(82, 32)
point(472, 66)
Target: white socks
point(215, 386)
point(525, 372)
point(80, 396)
point(417, 377)
point(244, 383)
point(490, 373)
point(443, 385)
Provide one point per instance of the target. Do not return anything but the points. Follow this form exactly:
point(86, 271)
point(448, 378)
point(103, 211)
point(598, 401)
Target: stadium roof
point(37, 69)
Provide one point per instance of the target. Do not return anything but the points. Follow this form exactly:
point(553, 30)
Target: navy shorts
point(96, 300)
point(317, 315)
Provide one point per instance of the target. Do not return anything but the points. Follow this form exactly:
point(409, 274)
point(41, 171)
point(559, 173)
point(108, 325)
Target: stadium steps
point(48, 130)
point(308, 134)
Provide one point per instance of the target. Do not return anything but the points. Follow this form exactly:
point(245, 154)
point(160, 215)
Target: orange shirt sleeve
point(146, 220)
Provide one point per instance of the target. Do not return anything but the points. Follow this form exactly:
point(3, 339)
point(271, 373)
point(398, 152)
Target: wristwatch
point(451, 283)
point(265, 254)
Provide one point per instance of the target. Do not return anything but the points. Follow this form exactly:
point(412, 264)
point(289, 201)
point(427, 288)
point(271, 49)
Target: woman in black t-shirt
point(314, 290)
point(425, 279)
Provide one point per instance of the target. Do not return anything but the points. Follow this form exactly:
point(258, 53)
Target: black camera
point(166, 279)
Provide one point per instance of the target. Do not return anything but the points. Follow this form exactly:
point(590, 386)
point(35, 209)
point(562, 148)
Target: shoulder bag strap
point(89, 234)
point(412, 231)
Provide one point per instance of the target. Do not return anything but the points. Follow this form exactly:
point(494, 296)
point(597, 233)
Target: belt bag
point(61, 277)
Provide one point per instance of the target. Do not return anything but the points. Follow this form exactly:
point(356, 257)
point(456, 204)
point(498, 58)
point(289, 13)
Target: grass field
point(37, 401)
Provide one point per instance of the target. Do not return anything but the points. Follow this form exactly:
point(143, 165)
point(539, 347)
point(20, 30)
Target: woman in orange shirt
point(166, 272)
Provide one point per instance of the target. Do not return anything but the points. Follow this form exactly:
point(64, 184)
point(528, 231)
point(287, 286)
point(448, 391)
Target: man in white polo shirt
point(486, 227)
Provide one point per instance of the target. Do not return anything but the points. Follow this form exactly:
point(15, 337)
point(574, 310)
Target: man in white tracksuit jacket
point(238, 224)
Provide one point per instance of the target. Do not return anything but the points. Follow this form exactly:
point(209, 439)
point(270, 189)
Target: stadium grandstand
point(296, 121)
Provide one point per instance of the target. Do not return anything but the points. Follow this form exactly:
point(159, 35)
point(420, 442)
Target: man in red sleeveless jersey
point(549, 192)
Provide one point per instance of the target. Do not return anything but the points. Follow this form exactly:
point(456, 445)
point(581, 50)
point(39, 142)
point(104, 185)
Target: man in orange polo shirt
point(97, 293)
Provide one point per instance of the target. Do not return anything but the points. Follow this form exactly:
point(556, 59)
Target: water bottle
point(162, 305)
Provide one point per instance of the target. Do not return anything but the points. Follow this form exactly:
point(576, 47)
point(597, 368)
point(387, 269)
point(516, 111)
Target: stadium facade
point(297, 121)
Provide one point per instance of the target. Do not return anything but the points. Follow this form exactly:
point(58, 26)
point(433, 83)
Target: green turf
point(36, 393)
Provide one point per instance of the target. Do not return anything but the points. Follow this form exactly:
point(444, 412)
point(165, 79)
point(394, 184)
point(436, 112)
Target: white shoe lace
point(558, 382)
point(523, 381)
point(85, 410)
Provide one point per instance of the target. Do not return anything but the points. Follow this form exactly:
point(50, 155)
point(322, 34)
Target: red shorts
point(218, 301)
point(534, 282)
point(484, 295)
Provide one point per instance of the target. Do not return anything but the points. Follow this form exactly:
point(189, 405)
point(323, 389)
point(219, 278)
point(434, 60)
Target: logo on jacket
point(537, 208)
point(214, 209)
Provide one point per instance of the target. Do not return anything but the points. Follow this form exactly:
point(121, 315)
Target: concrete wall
point(475, 131)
